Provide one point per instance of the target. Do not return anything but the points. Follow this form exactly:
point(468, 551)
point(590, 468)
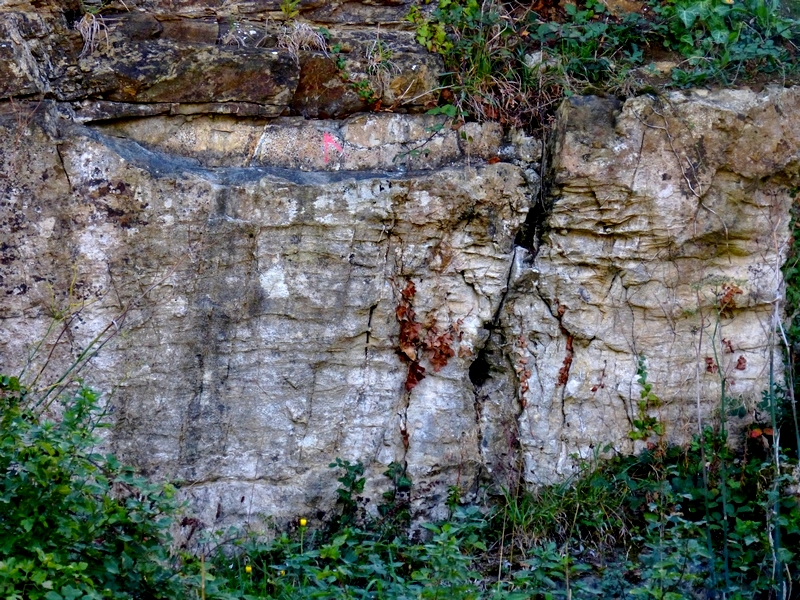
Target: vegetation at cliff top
point(513, 62)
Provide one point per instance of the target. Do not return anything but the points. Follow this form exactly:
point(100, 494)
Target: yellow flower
point(283, 573)
point(303, 522)
point(248, 569)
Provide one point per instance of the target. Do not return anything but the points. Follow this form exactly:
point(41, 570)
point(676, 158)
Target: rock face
point(258, 306)
point(198, 53)
point(269, 292)
point(668, 227)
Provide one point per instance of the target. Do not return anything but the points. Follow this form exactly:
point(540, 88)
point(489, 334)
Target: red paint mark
point(327, 141)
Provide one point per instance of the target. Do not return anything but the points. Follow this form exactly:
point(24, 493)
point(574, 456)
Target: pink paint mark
point(327, 141)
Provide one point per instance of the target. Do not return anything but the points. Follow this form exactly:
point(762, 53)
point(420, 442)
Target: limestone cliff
point(278, 280)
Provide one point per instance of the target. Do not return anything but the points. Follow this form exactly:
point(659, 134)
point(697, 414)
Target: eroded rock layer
point(257, 306)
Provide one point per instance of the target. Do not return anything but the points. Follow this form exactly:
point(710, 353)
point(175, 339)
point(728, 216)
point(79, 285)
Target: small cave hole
point(479, 369)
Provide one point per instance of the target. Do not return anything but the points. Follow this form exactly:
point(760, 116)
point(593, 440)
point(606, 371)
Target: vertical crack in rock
point(63, 165)
point(500, 373)
point(566, 365)
point(498, 380)
point(491, 357)
point(368, 331)
point(497, 410)
point(536, 223)
point(404, 427)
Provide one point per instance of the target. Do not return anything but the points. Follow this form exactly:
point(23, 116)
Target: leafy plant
point(791, 336)
point(347, 495)
point(363, 88)
point(290, 8)
point(645, 425)
point(514, 65)
point(395, 509)
point(75, 523)
point(722, 39)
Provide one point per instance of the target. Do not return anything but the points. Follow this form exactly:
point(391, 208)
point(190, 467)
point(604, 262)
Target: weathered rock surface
point(267, 342)
point(198, 53)
point(365, 142)
point(266, 322)
point(669, 224)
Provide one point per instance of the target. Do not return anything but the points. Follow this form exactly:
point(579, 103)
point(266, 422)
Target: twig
point(95, 345)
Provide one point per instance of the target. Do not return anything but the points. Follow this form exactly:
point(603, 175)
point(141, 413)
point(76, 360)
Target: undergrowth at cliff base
point(75, 523)
point(649, 526)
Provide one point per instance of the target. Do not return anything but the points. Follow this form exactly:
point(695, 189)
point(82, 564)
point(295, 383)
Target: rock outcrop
point(667, 229)
point(269, 291)
point(258, 306)
point(246, 58)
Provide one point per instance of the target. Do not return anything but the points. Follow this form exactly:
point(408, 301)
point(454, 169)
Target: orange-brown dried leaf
point(409, 291)
point(416, 373)
point(730, 291)
point(563, 372)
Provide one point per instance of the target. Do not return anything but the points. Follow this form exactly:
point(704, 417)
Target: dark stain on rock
point(321, 93)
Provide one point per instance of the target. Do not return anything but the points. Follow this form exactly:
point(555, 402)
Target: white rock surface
point(252, 288)
point(659, 208)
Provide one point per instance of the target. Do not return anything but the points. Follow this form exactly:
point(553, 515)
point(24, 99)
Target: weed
point(724, 41)
point(791, 337)
point(647, 526)
point(339, 59)
point(514, 65)
point(91, 27)
point(290, 9)
point(380, 67)
point(75, 523)
point(297, 37)
point(365, 91)
point(347, 495)
point(395, 510)
point(645, 425)
point(484, 59)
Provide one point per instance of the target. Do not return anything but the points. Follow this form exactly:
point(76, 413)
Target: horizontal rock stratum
point(274, 290)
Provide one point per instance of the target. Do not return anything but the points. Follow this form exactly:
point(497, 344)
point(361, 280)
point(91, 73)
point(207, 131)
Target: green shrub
point(672, 522)
point(514, 64)
point(725, 41)
point(647, 526)
point(75, 523)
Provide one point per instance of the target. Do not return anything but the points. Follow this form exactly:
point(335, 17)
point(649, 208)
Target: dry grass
point(380, 67)
point(91, 27)
point(299, 36)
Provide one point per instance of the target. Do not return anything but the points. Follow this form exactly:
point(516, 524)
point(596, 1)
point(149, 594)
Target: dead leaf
point(416, 373)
